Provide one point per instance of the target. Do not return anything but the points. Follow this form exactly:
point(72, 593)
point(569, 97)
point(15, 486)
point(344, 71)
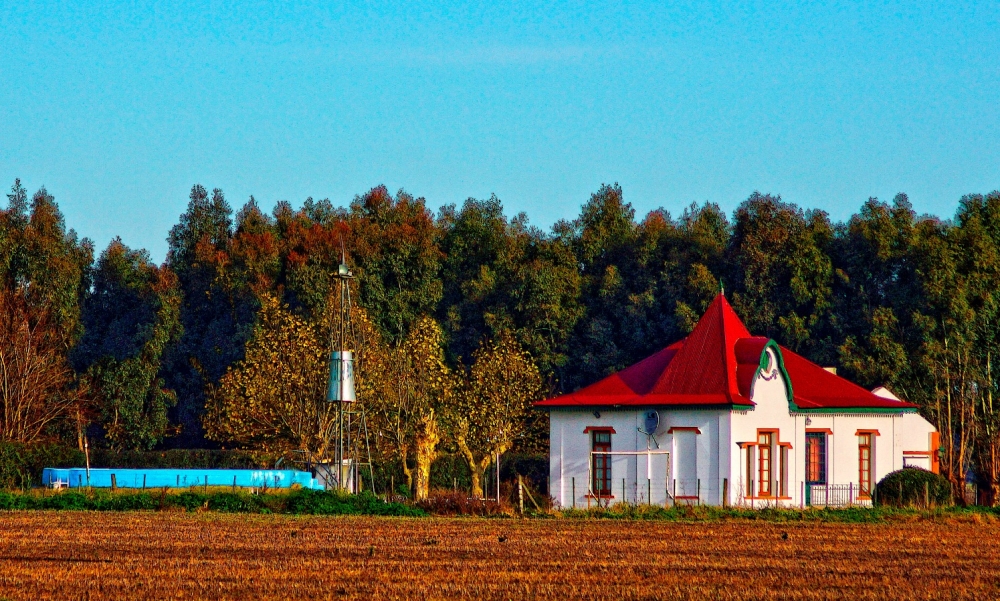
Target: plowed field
point(67, 555)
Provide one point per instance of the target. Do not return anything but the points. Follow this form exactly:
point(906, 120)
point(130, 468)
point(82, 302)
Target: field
point(161, 555)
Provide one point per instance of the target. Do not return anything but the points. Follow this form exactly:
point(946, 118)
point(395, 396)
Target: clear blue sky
point(118, 109)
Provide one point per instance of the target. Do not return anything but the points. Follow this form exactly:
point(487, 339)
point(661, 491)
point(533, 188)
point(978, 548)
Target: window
point(816, 458)
point(764, 464)
point(601, 464)
point(864, 464)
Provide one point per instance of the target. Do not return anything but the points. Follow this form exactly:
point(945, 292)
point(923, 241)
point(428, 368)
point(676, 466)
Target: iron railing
point(837, 495)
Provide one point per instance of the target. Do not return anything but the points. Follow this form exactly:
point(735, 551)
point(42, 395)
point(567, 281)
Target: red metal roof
point(715, 365)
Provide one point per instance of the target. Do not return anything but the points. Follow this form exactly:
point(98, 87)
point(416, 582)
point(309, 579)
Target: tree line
point(467, 315)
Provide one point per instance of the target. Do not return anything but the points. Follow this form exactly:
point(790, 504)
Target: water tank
point(341, 386)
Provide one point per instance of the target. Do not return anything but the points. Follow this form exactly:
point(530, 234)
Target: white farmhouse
point(724, 417)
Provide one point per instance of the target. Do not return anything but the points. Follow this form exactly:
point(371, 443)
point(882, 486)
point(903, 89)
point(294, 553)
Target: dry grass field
point(88, 555)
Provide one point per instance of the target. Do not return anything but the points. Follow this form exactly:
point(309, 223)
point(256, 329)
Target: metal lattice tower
point(351, 427)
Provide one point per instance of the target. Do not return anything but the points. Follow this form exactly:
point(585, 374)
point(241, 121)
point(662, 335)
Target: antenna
point(650, 422)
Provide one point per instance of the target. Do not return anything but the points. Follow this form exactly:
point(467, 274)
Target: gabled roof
point(715, 366)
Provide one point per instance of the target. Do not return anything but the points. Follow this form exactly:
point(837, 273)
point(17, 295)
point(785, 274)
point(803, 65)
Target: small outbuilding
point(725, 417)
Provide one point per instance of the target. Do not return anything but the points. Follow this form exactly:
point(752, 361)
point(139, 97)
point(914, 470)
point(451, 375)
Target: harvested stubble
point(71, 555)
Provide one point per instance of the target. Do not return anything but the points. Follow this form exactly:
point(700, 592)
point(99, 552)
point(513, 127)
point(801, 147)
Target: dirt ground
point(87, 555)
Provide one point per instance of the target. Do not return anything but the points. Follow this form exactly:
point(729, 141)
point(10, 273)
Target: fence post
point(573, 481)
point(699, 492)
point(649, 491)
point(234, 483)
point(725, 492)
point(498, 478)
point(144, 482)
point(850, 493)
point(675, 492)
point(114, 483)
point(927, 495)
point(520, 494)
point(623, 491)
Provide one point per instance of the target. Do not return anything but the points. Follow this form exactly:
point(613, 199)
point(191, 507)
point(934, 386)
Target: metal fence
point(836, 495)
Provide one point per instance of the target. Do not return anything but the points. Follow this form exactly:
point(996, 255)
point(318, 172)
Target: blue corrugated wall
point(157, 478)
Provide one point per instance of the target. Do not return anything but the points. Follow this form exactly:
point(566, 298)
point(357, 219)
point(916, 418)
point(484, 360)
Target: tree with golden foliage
point(415, 391)
point(495, 403)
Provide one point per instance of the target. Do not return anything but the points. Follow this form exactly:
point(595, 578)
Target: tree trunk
point(403, 455)
point(428, 437)
point(477, 469)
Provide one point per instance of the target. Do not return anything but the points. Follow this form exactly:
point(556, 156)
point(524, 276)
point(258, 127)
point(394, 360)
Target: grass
point(847, 515)
point(311, 502)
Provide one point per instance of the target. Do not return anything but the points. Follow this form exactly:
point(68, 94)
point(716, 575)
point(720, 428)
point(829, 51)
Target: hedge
point(21, 465)
point(303, 501)
point(909, 486)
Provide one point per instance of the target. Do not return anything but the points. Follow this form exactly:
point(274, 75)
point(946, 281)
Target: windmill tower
point(350, 426)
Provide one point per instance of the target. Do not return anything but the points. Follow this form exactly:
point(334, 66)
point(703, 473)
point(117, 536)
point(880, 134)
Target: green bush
point(909, 486)
point(319, 502)
point(231, 502)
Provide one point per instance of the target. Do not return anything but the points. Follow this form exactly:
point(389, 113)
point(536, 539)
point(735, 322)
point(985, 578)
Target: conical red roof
point(715, 366)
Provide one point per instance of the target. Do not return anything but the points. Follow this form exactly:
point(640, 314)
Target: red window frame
point(765, 463)
point(600, 441)
point(864, 464)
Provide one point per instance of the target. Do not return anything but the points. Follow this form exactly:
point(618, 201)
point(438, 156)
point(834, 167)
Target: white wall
point(570, 454)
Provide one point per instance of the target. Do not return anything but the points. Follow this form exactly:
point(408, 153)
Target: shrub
point(907, 488)
point(460, 503)
point(318, 502)
point(189, 500)
point(232, 502)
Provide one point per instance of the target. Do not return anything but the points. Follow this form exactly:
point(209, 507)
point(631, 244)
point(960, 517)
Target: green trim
point(762, 365)
point(718, 407)
point(858, 410)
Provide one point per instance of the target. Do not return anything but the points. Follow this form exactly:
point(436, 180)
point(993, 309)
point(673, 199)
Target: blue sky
point(118, 108)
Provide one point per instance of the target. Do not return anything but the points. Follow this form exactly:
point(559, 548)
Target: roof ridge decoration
point(768, 372)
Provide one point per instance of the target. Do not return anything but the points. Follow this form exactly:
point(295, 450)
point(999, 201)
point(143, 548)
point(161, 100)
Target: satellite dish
point(650, 422)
